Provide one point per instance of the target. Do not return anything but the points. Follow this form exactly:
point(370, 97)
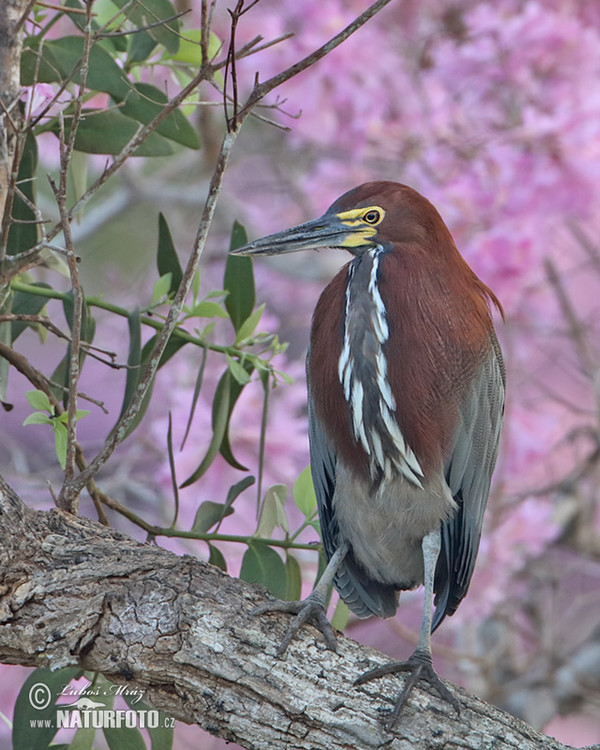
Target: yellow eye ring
point(372, 217)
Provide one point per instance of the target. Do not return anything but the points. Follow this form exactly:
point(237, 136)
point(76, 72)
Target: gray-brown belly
point(385, 527)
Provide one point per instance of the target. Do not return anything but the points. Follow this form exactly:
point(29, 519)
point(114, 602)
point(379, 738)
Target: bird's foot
point(420, 667)
point(311, 609)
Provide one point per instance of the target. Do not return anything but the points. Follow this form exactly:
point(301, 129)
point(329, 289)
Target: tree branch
point(181, 631)
point(12, 13)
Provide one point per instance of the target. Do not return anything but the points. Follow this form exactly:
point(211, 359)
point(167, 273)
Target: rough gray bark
point(11, 13)
point(73, 592)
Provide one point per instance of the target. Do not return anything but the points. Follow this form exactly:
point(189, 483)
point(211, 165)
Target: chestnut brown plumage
point(406, 396)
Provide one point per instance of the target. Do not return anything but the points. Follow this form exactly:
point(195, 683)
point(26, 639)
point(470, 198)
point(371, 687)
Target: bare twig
point(161, 22)
point(70, 503)
point(74, 485)
point(62, 8)
point(588, 357)
point(24, 14)
point(230, 69)
point(262, 89)
point(591, 249)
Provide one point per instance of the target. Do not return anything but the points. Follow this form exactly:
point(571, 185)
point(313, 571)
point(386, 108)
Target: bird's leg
point(311, 609)
point(419, 665)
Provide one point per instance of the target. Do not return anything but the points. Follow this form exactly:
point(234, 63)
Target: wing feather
point(363, 596)
point(468, 473)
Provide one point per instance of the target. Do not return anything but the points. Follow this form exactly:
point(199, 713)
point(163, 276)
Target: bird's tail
point(364, 596)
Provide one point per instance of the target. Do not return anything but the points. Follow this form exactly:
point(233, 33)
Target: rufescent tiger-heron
point(406, 396)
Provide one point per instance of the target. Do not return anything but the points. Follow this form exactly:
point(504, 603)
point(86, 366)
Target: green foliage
point(272, 513)
point(24, 303)
point(209, 514)
point(239, 280)
point(58, 422)
point(33, 724)
point(166, 256)
point(261, 564)
point(304, 493)
point(35, 718)
point(23, 233)
point(103, 102)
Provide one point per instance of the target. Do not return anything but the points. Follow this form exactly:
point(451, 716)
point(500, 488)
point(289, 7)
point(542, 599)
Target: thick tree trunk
point(73, 592)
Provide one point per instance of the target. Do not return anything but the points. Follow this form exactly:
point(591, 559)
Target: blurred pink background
point(493, 112)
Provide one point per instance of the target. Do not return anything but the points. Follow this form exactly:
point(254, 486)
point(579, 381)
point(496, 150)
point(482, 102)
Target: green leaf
point(249, 325)
point(304, 493)
point(189, 47)
point(196, 285)
point(208, 310)
point(144, 102)
point(38, 63)
point(34, 724)
point(38, 417)
point(166, 256)
point(83, 740)
point(61, 377)
point(79, 19)
point(293, 590)
point(237, 370)
point(88, 324)
point(25, 303)
point(79, 413)
point(341, 615)
point(60, 57)
point(272, 513)
point(39, 400)
point(221, 415)
point(261, 564)
point(197, 388)
point(161, 287)
point(150, 11)
point(235, 389)
point(173, 346)
point(217, 558)
point(108, 132)
point(208, 515)
point(134, 358)
point(88, 329)
point(161, 737)
point(239, 280)
point(124, 738)
point(22, 236)
point(141, 47)
point(78, 174)
point(171, 456)
point(236, 490)
point(60, 442)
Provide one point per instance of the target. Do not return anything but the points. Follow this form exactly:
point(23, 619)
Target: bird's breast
point(394, 347)
point(363, 374)
point(385, 526)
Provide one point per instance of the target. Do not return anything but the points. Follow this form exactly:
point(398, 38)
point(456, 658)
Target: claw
point(310, 610)
point(421, 668)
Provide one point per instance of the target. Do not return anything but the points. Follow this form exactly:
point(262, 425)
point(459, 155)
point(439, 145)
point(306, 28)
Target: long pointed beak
point(328, 231)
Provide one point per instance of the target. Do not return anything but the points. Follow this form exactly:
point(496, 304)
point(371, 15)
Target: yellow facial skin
point(362, 223)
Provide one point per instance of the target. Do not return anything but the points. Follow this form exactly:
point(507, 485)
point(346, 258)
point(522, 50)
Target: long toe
point(419, 667)
point(309, 610)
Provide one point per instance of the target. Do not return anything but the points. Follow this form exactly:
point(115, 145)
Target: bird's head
point(389, 215)
point(376, 213)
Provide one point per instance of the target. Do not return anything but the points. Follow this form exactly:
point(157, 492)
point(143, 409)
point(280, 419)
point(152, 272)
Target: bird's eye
point(372, 217)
